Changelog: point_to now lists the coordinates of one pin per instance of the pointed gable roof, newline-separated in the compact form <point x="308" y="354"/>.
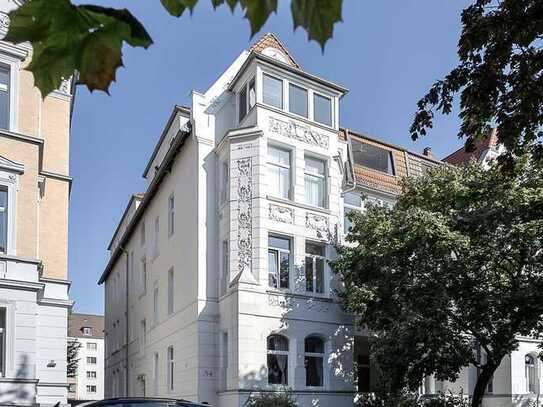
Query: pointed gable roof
<point x="462" y="157"/>
<point x="270" y="40"/>
<point x="7" y="164"/>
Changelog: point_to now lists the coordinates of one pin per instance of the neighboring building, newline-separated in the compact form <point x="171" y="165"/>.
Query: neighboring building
<point x="88" y="331"/>
<point x="218" y="284"/>
<point x="485" y="150"/>
<point x="34" y="193"/>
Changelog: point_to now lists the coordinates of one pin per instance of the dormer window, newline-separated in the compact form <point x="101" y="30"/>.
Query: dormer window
<point x="272" y="91"/>
<point x="247" y="98"/>
<point x="87" y="331"/>
<point x="373" y="157"/>
<point x="297" y="97"/>
<point x="322" y="109"/>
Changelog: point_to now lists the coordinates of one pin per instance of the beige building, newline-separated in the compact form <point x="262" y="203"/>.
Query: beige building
<point x="34" y="193"/>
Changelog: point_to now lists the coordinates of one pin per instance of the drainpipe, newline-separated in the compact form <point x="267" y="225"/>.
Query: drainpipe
<point x="127" y="336"/>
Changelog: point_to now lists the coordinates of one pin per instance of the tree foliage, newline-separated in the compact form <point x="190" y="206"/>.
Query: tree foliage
<point x="277" y="399"/>
<point x="457" y="263"/>
<point x="88" y="38"/>
<point x="72" y="357"/>
<point x="499" y="77"/>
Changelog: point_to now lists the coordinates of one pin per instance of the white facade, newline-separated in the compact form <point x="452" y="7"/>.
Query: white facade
<point x="199" y="303"/>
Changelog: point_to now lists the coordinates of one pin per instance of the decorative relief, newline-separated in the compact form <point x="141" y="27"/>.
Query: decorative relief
<point x="245" y="222"/>
<point x="281" y="214"/>
<point x="312" y="305"/>
<point x="282" y="302"/>
<point x="65" y="86"/>
<point x="4" y="21"/>
<point x="316" y="222"/>
<point x="299" y="132"/>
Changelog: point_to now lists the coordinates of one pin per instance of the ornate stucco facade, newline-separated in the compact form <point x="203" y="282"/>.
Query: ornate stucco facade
<point x="34" y="189"/>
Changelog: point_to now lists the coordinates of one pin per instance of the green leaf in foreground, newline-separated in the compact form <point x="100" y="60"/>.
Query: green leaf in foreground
<point x="317" y="17"/>
<point x="67" y="38"/>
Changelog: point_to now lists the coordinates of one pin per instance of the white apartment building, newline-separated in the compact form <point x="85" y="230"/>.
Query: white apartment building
<point x="88" y="382"/>
<point x="217" y="284"/>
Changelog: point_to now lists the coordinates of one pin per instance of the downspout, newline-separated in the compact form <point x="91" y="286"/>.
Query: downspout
<point x="127" y="337"/>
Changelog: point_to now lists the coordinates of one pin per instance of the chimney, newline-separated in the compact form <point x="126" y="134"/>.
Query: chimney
<point x="427" y="152"/>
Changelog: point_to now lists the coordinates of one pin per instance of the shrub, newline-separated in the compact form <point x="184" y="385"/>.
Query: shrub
<point x="279" y="399"/>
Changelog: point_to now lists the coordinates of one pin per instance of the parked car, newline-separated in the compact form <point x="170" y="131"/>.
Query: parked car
<point x="142" y="402"/>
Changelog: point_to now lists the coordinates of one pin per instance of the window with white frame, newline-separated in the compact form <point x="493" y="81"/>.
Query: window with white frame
<point x="246" y="98"/>
<point x="156" y="237"/>
<point x="3" y="219"/>
<point x="315" y="260"/>
<point x="272" y="91"/>
<point x="242" y="103"/>
<point x="297" y="100"/>
<point x="315" y="181"/>
<point x="5" y="96"/>
<point x="91" y="360"/>
<point x="87" y="331"/>
<point x="277" y="360"/>
<point x="3" y="342"/>
<point x="170" y="367"/>
<point x="224" y="359"/>
<point x="91" y="389"/>
<point x="155" y="305"/>
<point x="92" y="346"/>
<point x="171" y="215"/>
<point x="143" y="335"/>
<point x="142" y="233"/>
<point x="279" y="175"/>
<point x="351" y="202"/>
<point x="530" y="373"/>
<point x="373" y="157"/>
<point x="225" y="267"/>
<point x="252" y="94"/>
<point x="279" y="261"/>
<point x="171" y="291"/>
<point x="155" y="373"/>
<point x="143" y="281"/>
<point x="314" y="360"/>
<point x="322" y="109"/>
<point x="91" y="374"/>
<point x="225" y="185"/>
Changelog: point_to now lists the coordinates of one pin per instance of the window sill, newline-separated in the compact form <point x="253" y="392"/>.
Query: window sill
<point x="290" y="293"/>
<point x="298" y="204"/>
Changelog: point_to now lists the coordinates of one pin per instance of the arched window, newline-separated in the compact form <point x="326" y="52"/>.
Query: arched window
<point x="530" y="373"/>
<point x="314" y="360"/>
<point x="277" y="360"/>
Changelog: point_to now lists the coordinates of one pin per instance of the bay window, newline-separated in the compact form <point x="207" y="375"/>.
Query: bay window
<point x="278" y="261"/>
<point x="297" y="100"/>
<point x="272" y="91"/>
<point x="314" y="361"/>
<point x="322" y="109"/>
<point x="279" y="172"/>
<point x="314" y="267"/>
<point x="277" y="361"/>
<point x="315" y="182"/>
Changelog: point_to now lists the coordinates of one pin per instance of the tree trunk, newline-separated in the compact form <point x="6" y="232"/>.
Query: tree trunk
<point x="482" y="382"/>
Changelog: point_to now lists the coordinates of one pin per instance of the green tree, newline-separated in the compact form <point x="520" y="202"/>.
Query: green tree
<point x="89" y="38"/>
<point x="457" y="264"/>
<point x="499" y="78"/>
<point x="72" y="360"/>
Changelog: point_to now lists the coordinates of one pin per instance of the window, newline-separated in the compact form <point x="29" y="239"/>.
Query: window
<point x="155" y="373"/>
<point x="3" y="219"/>
<point x="92" y="346"/>
<point x="322" y="109"/>
<point x="314" y="359"/>
<point x="91" y="374"/>
<point x="171" y="215"/>
<point x="91" y="360"/>
<point x="142" y="233"/>
<point x="315" y="182"/>
<point x="224" y="187"/>
<point x="352" y="202"/>
<point x="272" y="91"/>
<point x="252" y="94"/>
<point x="155" y="305"/>
<point x="170" y="291"/>
<point x="242" y="103"/>
<point x="157" y="233"/>
<point x="91" y="389"/>
<point x="3" y="352"/>
<point x="297" y="97"/>
<point x="4" y="97"/>
<point x="143" y="335"/>
<point x="225" y="267"/>
<point x="278" y="261"/>
<point x="170" y="367"/>
<point x="143" y="282"/>
<point x="71" y="387"/>
<point x="373" y="157"/>
<point x="279" y="172"/>
<point x="224" y="359"/>
<point x="530" y="374"/>
<point x="314" y="267"/>
<point x="87" y="331"/>
<point x="364" y="374"/>
<point x="277" y="360"/>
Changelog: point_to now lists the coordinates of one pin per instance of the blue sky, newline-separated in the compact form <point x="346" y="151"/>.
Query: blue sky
<point x="387" y="52"/>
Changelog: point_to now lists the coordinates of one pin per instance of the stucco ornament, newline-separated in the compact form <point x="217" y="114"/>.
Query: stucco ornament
<point x="299" y="132"/>
<point x="245" y="222"/>
<point x="281" y="214"/>
<point x="316" y="222"/>
<point x="4" y="21"/>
